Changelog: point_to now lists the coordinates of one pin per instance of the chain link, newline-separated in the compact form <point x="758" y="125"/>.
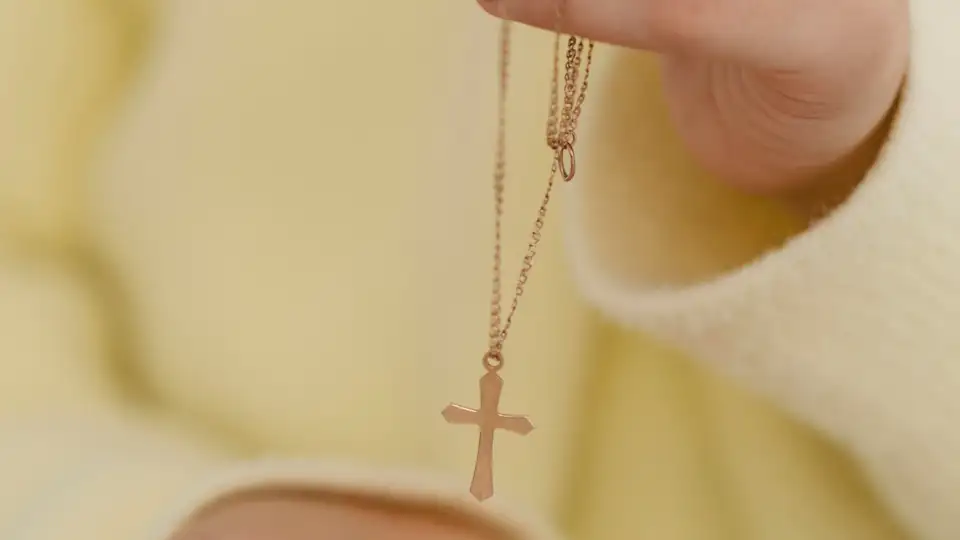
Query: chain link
<point x="562" y="120"/>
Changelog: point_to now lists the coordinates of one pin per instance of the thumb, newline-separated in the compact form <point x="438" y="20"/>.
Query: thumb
<point x="775" y="33"/>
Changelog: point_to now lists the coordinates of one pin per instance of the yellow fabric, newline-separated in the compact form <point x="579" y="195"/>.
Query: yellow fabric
<point x="262" y="229"/>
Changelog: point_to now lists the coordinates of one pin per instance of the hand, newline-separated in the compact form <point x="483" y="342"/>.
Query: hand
<point x="292" y="515"/>
<point x="768" y="94"/>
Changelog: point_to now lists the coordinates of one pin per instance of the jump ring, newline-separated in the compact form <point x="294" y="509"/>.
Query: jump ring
<point x="493" y="361"/>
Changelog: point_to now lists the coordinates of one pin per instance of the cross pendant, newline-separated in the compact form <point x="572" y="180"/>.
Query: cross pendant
<point x="488" y="419"/>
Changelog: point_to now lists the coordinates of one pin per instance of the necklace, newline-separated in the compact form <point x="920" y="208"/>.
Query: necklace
<point x="561" y="138"/>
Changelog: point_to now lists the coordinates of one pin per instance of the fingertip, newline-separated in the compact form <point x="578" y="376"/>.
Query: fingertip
<point x="523" y="11"/>
<point x="493" y="7"/>
<point x="602" y="20"/>
<point x="536" y="13"/>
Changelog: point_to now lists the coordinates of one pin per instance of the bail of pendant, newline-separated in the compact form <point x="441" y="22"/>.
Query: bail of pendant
<point x="493" y="361"/>
<point x="567" y="161"/>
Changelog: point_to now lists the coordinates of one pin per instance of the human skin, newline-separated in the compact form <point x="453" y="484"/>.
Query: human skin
<point x="773" y="96"/>
<point x="286" y="514"/>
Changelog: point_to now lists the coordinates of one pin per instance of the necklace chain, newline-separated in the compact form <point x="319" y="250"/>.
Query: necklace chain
<point x="560" y="137"/>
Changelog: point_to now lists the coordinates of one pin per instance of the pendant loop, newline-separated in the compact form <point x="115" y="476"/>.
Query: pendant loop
<point x="493" y="361"/>
<point x="565" y="155"/>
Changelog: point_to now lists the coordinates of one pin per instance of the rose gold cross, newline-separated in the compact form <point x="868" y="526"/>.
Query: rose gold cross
<point x="488" y="419"/>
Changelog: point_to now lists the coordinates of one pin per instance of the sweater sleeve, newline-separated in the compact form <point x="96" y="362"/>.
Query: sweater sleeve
<point x="114" y="475"/>
<point x="850" y="324"/>
<point x="73" y="456"/>
<point x="80" y="460"/>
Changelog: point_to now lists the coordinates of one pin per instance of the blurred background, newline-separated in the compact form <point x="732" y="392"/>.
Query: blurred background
<point x="267" y="223"/>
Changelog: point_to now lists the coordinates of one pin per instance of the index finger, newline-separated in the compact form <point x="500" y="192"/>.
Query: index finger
<point x="774" y="33"/>
<point x="613" y="21"/>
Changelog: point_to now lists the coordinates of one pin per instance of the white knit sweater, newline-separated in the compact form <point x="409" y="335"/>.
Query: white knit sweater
<point x="851" y="325"/>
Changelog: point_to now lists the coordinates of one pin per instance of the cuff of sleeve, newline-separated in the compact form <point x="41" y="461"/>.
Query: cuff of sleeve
<point x="414" y="488"/>
<point x="850" y="325"/>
